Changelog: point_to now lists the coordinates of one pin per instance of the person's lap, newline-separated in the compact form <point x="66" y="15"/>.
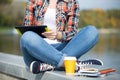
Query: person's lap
<point x="79" y="45"/>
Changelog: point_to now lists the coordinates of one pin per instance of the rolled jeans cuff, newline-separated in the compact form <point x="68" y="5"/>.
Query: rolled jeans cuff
<point x="60" y="64"/>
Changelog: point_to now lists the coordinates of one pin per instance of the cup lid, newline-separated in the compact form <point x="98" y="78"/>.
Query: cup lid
<point x="69" y="58"/>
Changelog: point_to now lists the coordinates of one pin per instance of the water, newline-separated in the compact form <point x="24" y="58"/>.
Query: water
<point x="103" y="4"/>
<point x="9" y="43"/>
<point x="107" y="49"/>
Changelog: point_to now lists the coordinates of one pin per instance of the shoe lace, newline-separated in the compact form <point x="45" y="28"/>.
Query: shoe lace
<point x="46" y="67"/>
<point x="82" y="65"/>
<point x="86" y="63"/>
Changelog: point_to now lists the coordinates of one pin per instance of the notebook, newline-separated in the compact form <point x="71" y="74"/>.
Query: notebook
<point x="36" y="29"/>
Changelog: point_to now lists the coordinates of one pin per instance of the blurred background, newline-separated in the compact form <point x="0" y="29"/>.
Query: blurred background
<point x="104" y="14"/>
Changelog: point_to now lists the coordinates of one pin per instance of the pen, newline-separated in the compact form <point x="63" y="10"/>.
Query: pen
<point x="95" y="74"/>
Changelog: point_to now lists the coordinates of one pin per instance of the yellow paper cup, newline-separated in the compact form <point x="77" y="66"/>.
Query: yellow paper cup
<point x="70" y="65"/>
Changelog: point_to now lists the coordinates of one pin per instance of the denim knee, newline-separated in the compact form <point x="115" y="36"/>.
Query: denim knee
<point x="92" y="32"/>
<point x="28" y="37"/>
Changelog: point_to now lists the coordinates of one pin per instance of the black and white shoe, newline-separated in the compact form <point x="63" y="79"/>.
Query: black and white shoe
<point x="91" y="61"/>
<point x="36" y="67"/>
<point x="82" y="65"/>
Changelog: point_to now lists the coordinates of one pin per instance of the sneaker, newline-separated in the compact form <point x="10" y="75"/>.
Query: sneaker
<point x="36" y="67"/>
<point x="91" y="62"/>
<point x="80" y="65"/>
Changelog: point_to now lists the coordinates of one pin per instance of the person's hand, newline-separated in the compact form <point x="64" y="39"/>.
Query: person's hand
<point x="50" y="34"/>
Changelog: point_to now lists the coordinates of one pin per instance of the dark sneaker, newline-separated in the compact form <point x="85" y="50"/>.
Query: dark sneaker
<point x="36" y="67"/>
<point x="80" y="65"/>
<point x="91" y="61"/>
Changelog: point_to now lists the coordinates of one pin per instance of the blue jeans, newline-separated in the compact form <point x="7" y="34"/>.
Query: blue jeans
<point x="35" y="48"/>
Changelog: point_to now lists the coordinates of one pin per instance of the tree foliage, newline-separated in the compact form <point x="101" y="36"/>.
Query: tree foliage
<point x="100" y="18"/>
<point x="5" y="1"/>
<point x="13" y="14"/>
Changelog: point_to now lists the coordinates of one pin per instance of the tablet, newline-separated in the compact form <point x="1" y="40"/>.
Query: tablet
<point x="36" y="29"/>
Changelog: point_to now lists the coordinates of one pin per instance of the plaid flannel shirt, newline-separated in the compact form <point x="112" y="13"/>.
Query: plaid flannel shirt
<point x="67" y="16"/>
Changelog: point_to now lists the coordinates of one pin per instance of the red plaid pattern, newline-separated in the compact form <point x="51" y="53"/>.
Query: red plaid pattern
<point x="67" y="15"/>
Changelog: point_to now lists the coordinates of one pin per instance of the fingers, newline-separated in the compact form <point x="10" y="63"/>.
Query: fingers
<point x="50" y="35"/>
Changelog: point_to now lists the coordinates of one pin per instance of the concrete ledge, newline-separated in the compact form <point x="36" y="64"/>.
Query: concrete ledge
<point x="57" y="75"/>
<point x="14" y="66"/>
